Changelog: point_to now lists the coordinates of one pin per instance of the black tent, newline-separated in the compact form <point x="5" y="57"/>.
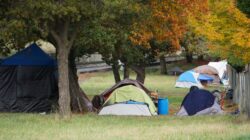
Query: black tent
<point x="27" y="81"/>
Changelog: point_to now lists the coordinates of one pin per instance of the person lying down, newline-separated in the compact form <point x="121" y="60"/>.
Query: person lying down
<point x="200" y="102"/>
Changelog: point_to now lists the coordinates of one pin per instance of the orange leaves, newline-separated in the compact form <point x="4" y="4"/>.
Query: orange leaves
<point x="141" y="38"/>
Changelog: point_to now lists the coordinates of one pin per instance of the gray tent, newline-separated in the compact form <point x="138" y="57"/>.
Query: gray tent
<point x="175" y="71"/>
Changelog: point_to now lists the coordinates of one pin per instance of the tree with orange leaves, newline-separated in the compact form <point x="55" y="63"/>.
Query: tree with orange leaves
<point x="166" y="23"/>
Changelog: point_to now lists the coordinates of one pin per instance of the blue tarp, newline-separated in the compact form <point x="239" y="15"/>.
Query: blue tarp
<point x="197" y="100"/>
<point x="30" y="56"/>
<point x="203" y="77"/>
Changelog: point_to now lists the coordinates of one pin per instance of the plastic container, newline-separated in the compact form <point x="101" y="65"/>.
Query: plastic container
<point x="163" y="106"/>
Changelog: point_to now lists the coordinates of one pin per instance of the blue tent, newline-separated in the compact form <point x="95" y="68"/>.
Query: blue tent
<point x="30" y="56"/>
<point x="188" y="79"/>
<point x="191" y="78"/>
<point x="197" y="100"/>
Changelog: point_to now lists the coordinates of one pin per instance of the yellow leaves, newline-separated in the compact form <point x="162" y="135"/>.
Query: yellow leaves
<point x="227" y="28"/>
<point x="204" y="27"/>
<point x="241" y="38"/>
<point x="237" y="14"/>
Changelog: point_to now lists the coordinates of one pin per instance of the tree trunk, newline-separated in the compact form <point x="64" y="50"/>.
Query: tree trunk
<point x="163" y="65"/>
<point x="115" y="68"/>
<point x="189" y="57"/>
<point x="126" y="71"/>
<point x="140" y="73"/>
<point x="79" y="100"/>
<point x="63" y="81"/>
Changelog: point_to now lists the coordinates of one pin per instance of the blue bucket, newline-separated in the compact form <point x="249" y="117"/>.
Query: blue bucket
<point x="163" y="106"/>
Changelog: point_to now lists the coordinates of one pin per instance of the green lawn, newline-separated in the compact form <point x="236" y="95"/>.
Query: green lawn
<point x="91" y="126"/>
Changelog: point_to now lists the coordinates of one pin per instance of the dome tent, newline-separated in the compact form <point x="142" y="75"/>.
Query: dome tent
<point x="98" y="100"/>
<point x="27" y="81"/>
<point x="188" y="79"/>
<point x="128" y="100"/>
<point x="191" y="78"/>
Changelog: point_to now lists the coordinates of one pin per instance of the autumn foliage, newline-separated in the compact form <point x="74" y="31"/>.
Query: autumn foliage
<point x="228" y="31"/>
<point x="166" y="21"/>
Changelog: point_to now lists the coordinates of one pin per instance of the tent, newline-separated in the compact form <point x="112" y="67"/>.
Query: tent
<point x="208" y="71"/>
<point x="126" y="109"/>
<point x="199" y="102"/>
<point x="188" y="79"/>
<point x="125" y="82"/>
<point x="98" y="100"/>
<point x="27" y="81"/>
<point x="119" y="102"/>
<point x="175" y="71"/>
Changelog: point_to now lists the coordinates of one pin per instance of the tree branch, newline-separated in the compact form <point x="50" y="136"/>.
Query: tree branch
<point x="55" y="36"/>
<point x="73" y="37"/>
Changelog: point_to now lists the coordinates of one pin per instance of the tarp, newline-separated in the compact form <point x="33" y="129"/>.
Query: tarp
<point x="130" y="93"/>
<point x="203" y="77"/>
<point x="197" y="100"/>
<point x="126" y="109"/>
<point x="188" y="79"/>
<point x="220" y="66"/>
<point x="30" y="56"/>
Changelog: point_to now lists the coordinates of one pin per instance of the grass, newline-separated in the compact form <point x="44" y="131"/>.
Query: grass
<point x="91" y="126"/>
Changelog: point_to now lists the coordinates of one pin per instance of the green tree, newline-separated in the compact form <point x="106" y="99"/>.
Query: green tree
<point x="58" y="21"/>
<point x="109" y="32"/>
<point x="193" y="44"/>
